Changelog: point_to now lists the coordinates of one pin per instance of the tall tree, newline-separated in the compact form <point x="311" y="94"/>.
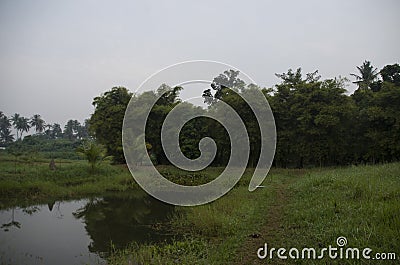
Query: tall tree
<point x="311" y="118"/>
<point x="6" y="136"/>
<point x="69" y="130"/>
<point x="38" y="123"/>
<point x="5" y="122"/>
<point x="22" y="125"/>
<point x="367" y="75"/>
<point x="106" y="121"/>
<point x="223" y="85"/>
<point x="391" y="73"/>
<point x="56" y="131"/>
<point x="15" y="119"/>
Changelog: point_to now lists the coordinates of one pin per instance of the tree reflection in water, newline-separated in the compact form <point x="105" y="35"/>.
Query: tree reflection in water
<point x="123" y="219"/>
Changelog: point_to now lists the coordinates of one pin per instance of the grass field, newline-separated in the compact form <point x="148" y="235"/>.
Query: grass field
<point x="297" y="208"/>
<point x="28" y="181"/>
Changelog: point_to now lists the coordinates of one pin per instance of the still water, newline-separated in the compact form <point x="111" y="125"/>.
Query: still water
<point x="80" y="231"/>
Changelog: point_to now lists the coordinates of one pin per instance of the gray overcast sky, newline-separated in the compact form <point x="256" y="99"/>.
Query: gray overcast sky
<point x="55" y="56"/>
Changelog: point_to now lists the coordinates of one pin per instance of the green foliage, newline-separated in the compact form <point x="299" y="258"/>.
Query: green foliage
<point x="106" y="121"/>
<point x="94" y="153"/>
<point x="38" y="123"/>
<point x="317" y="123"/>
<point x="391" y="74"/>
<point x="43" y="147"/>
<point x="312" y="119"/>
<point x="21" y="124"/>
<point x="367" y="75"/>
<point x="5" y="130"/>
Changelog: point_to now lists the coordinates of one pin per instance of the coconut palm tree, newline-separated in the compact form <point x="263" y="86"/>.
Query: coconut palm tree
<point x="38" y="123"/>
<point x="5" y="122"/>
<point x="367" y="75"/>
<point x="15" y="119"/>
<point x="6" y="137"/>
<point x="22" y="125"/>
<point x="5" y="133"/>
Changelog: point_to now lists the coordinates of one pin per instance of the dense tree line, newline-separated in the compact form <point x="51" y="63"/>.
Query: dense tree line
<point x="317" y="122"/>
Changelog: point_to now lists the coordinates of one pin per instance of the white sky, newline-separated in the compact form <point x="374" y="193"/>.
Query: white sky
<point x="56" y="56"/>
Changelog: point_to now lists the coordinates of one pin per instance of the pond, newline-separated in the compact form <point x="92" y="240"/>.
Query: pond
<point x="80" y="231"/>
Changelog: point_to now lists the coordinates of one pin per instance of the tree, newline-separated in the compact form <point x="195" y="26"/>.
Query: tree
<point x="6" y="136"/>
<point x="69" y="130"/>
<point x="168" y="99"/>
<point x="224" y="84"/>
<point x="106" y="121"/>
<point x="311" y="119"/>
<point x="38" y="123"/>
<point x="53" y="131"/>
<point x="94" y="153"/>
<point x="73" y="130"/>
<point x="22" y="125"/>
<point x="391" y="73"/>
<point x="378" y="122"/>
<point x="83" y="130"/>
<point x="56" y="130"/>
<point x="5" y="122"/>
<point x="15" y="119"/>
<point x="367" y="75"/>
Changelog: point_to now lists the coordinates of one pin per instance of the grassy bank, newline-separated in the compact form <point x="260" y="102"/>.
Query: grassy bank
<point x="360" y="203"/>
<point x="27" y="181"/>
<point x="212" y="232"/>
<point x="297" y="208"/>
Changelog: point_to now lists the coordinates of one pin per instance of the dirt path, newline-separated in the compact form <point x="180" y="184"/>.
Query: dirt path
<point x="270" y="233"/>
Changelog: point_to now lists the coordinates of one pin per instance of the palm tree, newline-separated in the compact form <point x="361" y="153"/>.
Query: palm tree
<point x="367" y="75"/>
<point x="6" y="137"/>
<point x="22" y="125"/>
<point x="94" y="153"/>
<point x="5" y="133"/>
<point x="5" y="122"/>
<point x="15" y="119"/>
<point x="38" y="123"/>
